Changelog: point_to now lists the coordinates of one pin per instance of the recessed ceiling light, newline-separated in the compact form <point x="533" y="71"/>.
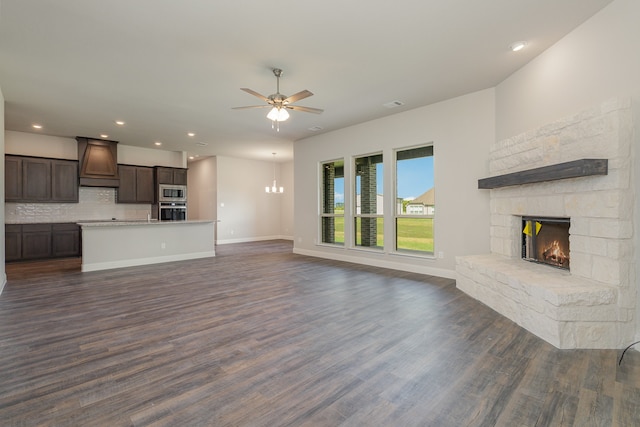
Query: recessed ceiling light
<point x="191" y="134"/>
<point x="36" y="126"/>
<point x="191" y="157"/>
<point x="517" y="46"/>
<point x="119" y="122"/>
<point x="158" y="143"/>
<point x="104" y="135"/>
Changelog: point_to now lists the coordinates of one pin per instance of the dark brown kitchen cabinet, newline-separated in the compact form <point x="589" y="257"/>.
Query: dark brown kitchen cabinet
<point x="136" y="184"/>
<point x="175" y="176"/>
<point x="12" y="242"/>
<point x="36" y="241"/>
<point x="36" y="180"/>
<point x="40" y="180"/>
<point x="64" y="181"/>
<point x="42" y="241"/>
<point x="12" y="178"/>
<point x="65" y="240"/>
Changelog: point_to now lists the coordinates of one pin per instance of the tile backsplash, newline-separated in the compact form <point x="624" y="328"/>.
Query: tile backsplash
<point x="95" y="203"/>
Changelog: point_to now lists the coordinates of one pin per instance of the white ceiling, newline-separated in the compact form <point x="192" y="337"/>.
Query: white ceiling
<point x="168" y="67"/>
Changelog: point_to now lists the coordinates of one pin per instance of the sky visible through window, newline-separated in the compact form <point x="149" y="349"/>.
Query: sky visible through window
<point x="414" y="178"/>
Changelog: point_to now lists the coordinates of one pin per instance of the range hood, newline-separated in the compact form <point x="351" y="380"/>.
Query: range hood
<point x="98" y="161"/>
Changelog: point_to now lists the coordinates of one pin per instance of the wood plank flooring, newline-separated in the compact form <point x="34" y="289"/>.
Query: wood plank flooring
<point x="259" y="336"/>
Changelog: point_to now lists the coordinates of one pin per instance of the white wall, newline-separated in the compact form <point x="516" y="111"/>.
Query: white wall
<point x="202" y="189"/>
<point x="38" y="145"/>
<point x="3" y="276"/>
<point x="596" y="62"/>
<point x="245" y="211"/>
<point x="461" y="131"/>
<point x="286" y="213"/>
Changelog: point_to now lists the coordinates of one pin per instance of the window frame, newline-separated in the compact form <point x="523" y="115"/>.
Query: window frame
<point x="395" y="215"/>
<point x="322" y="215"/>
<point x="354" y="212"/>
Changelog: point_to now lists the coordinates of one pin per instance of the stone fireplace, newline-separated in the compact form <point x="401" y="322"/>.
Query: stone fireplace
<point x="591" y="302"/>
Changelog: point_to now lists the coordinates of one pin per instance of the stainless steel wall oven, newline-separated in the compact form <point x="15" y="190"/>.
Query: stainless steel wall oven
<point x="172" y="202"/>
<point x="172" y="211"/>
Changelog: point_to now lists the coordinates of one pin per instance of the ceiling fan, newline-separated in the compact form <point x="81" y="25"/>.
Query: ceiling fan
<point x="280" y="103"/>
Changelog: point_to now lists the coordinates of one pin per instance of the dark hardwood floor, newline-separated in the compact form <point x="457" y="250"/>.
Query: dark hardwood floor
<point x="259" y="336"/>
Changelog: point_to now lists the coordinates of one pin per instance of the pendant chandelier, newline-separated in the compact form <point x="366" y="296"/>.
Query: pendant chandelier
<point x="274" y="188"/>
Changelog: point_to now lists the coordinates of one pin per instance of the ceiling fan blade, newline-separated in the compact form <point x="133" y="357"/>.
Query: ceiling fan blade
<point x="298" y="96"/>
<point x="305" y="109"/>
<point x="254" y="93"/>
<point x="252" y="106"/>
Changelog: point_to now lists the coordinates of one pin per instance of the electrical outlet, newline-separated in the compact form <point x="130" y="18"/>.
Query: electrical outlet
<point x="440" y="254"/>
<point x="163" y="245"/>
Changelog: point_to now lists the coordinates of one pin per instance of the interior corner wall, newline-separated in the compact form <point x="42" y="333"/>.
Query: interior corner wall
<point x="3" y="275"/>
<point x="202" y="189"/>
<point x="461" y="130"/>
<point x="286" y="203"/>
<point x="594" y="63"/>
<point x="245" y="211"/>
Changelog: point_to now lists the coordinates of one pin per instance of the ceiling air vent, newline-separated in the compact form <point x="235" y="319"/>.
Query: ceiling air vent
<point x="393" y="104"/>
<point x="315" y="128"/>
<point x="202" y="144"/>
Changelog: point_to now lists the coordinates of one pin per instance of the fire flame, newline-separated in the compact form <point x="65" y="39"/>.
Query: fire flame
<point x="554" y="254"/>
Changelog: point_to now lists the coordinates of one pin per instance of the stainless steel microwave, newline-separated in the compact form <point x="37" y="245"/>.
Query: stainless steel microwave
<point x="172" y="193"/>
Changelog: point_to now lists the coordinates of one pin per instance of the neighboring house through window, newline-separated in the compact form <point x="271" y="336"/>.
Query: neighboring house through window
<point x="415" y="188"/>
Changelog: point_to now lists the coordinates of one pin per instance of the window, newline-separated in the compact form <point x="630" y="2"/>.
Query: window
<point x="368" y="220"/>
<point x="415" y="200"/>
<point x="332" y="216"/>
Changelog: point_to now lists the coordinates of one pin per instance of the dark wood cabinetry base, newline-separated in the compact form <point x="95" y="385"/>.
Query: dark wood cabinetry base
<point x="41" y="241"/>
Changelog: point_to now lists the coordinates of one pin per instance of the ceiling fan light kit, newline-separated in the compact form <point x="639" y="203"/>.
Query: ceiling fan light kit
<point x="278" y="114"/>
<point x="280" y="103"/>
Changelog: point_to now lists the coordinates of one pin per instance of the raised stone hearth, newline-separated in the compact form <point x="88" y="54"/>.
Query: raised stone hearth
<point x="593" y="304"/>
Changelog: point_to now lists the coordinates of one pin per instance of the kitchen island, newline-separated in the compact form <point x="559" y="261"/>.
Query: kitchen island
<point x="115" y="244"/>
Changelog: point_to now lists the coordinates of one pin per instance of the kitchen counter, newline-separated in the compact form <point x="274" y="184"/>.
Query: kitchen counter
<point x="127" y="243"/>
<point x="125" y="222"/>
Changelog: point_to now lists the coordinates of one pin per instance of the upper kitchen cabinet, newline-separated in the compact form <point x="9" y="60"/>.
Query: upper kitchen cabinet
<point x="36" y="180"/>
<point x="136" y="184"/>
<point x="64" y="181"/>
<point x="175" y="176"/>
<point x="12" y="178"/>
<point x="40" y="180"/>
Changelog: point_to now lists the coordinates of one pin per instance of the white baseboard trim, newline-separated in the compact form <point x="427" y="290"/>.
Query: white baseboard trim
<point x="393" y="265"/>
<point x="253" y="239"/>
<point x="4" y="282"/>
<point x="144" y="261"/>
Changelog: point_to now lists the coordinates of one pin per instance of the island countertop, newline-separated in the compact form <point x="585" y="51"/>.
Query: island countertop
<point x="124" y="222"/>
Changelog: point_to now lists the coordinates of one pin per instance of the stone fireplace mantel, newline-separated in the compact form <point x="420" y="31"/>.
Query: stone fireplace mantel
<point x="593" y="304"/>
<point x="566" y="170"/>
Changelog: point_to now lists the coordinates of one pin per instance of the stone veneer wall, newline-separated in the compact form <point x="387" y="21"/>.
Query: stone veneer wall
<point x="600" y="292"/>
<point x="94" y="204"/>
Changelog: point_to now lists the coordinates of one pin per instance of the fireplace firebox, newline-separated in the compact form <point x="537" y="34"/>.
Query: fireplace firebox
<point x="546" y="241"/>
